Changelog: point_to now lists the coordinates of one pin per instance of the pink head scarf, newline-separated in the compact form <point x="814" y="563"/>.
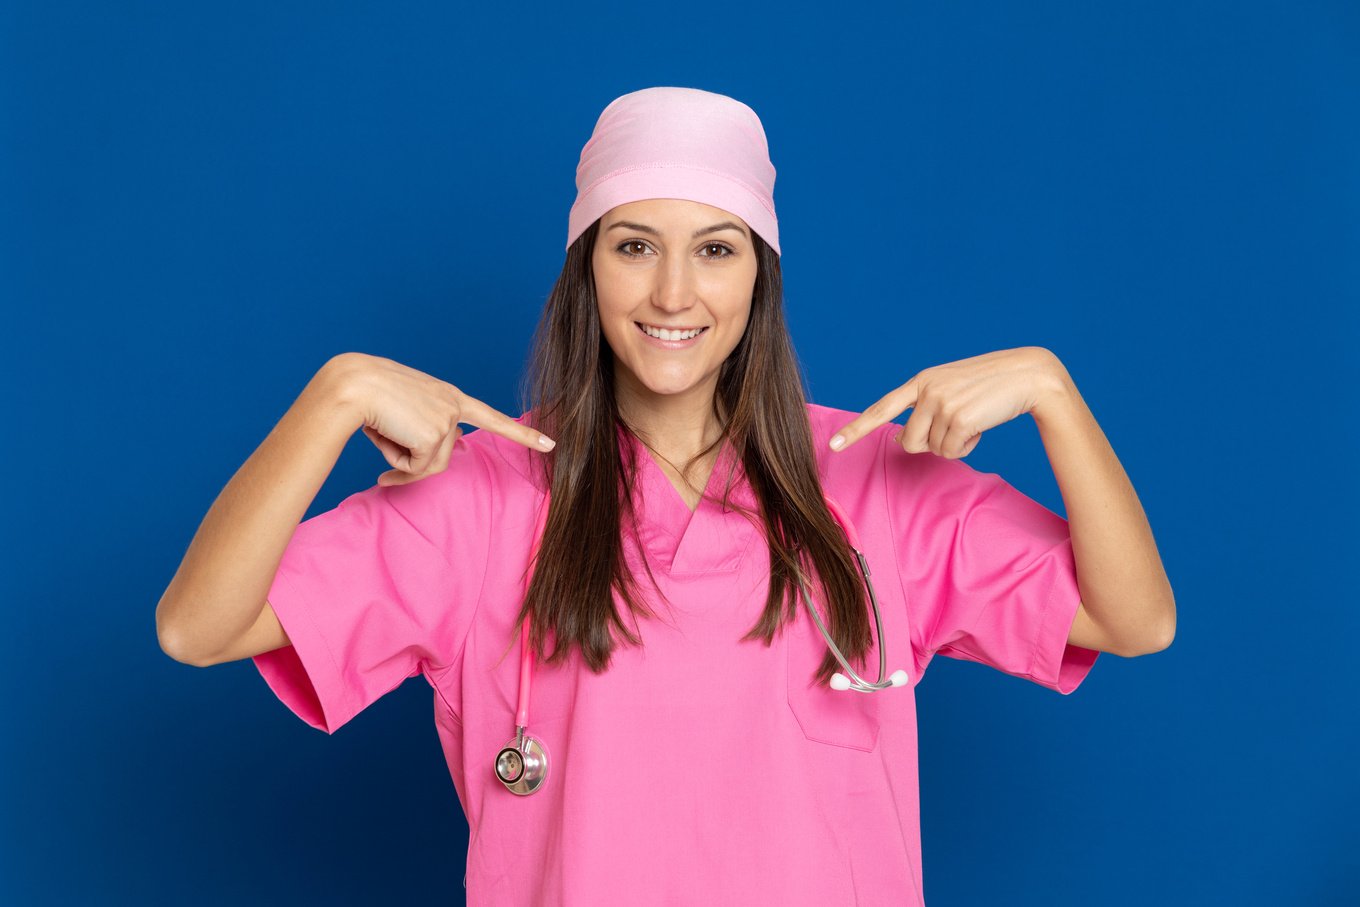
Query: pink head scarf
<point x="677" y="143"/>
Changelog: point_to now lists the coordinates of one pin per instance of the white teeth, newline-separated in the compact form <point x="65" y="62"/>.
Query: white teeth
<point x="666" y="334"/>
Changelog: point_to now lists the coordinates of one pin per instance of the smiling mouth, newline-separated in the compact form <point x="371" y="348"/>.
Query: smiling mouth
<point x="670" y="335"/>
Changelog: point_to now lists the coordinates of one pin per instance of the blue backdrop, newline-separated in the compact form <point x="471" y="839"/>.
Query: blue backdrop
<point x="201" y="205"/>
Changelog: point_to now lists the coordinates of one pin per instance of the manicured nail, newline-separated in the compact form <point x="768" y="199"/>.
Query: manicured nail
<point x="838" y="442"/>
<point x="546" y="443"/>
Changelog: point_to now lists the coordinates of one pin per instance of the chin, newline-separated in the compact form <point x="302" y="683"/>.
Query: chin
<point x="661" y="382"/>
<point x="666" y="387"/>
<point x="670" y="390"/>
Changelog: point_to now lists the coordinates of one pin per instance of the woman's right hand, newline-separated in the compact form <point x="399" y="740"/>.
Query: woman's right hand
<point x="412" y="417"/>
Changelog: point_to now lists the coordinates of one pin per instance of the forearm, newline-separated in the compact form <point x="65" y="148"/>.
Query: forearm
<point x="1124" y="587"/>
<point x="222" y="582"/>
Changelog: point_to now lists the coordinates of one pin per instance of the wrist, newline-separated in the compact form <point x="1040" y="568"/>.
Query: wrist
<point x="1057" y="392"/>
<point x="335" y="390"/>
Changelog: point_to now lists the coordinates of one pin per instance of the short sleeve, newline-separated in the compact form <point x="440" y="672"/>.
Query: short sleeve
<point x="988" y="572"/>
<point x="378" y="589"/>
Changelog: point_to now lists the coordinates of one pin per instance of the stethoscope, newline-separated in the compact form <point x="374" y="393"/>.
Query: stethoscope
<point x="522" y="764"/>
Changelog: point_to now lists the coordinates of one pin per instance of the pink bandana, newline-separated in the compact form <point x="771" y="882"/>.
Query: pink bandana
<point x="677" y="143"/>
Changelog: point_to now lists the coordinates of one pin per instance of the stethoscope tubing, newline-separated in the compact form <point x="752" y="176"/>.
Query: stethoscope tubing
<point x="533" y="764"/>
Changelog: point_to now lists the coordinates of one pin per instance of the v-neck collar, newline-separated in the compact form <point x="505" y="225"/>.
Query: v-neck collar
<point x="684" y="542"/>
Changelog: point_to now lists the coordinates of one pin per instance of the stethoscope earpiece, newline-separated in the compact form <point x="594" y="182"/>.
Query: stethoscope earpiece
<point x="839" y="681"/>
<point x="522" y="764"/>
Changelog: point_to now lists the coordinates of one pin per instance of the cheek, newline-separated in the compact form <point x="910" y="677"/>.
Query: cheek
<point x="614" y="322"/>
<point x="606" y="302"/>
<point x="740" y="314"/>
<point x="614" y="296"/>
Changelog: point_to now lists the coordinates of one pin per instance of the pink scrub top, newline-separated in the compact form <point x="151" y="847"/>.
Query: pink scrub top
<point x="698" y="769"/>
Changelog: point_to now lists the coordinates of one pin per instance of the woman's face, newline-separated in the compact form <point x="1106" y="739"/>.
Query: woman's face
<point x="678" y="265"/>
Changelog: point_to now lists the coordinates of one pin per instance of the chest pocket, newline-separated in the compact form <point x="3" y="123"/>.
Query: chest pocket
<point x="836" y="717"/>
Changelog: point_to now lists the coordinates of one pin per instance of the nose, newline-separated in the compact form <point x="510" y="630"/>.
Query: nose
<point x="675" y="283"/>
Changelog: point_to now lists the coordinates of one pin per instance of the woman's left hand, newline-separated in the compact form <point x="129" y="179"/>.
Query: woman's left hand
<point x="956" y="402"/>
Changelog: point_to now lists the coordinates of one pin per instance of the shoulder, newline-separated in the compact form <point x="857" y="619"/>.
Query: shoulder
<point x="860" y="459"/>
<point x="875" y="457"/>
<point x="513" y="468"/>
<point x="486" y="475"/>
<point x="824" y="421"/>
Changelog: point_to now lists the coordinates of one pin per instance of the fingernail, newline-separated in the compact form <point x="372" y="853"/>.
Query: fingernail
<point x="838" y="442"/>
<point x="546" y="443"/>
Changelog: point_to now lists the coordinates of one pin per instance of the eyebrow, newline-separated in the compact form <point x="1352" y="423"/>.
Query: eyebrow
<point x="643" y="228"/>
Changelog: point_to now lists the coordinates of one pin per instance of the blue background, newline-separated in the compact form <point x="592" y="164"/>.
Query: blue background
<point x="201" y="205"/>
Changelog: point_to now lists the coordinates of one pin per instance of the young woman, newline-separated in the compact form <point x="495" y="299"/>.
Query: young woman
<point x="672" y="626"/>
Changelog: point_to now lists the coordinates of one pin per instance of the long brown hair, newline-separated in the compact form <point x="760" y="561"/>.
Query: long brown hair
<point x="568" y="393"/>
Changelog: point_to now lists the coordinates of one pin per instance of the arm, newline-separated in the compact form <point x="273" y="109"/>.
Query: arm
<point x="214" y="608"/>
<point x="1127" y="604"/>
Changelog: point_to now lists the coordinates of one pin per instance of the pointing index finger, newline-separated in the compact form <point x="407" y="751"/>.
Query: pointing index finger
<point x="475" y="412"/>
<point x="881" y="412"/>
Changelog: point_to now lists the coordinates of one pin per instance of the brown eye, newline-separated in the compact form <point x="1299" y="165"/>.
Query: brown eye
<point x="718" y="245"/>
<point x="632" y="242"/>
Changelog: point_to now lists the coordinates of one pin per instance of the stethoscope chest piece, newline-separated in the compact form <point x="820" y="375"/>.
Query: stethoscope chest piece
<point x="522" y="764"/>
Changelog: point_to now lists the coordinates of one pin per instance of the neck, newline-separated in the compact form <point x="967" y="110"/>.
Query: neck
<point x="677" y="426"/>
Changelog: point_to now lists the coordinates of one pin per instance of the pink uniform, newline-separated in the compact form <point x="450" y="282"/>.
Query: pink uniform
<point x="698" y="769"/>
